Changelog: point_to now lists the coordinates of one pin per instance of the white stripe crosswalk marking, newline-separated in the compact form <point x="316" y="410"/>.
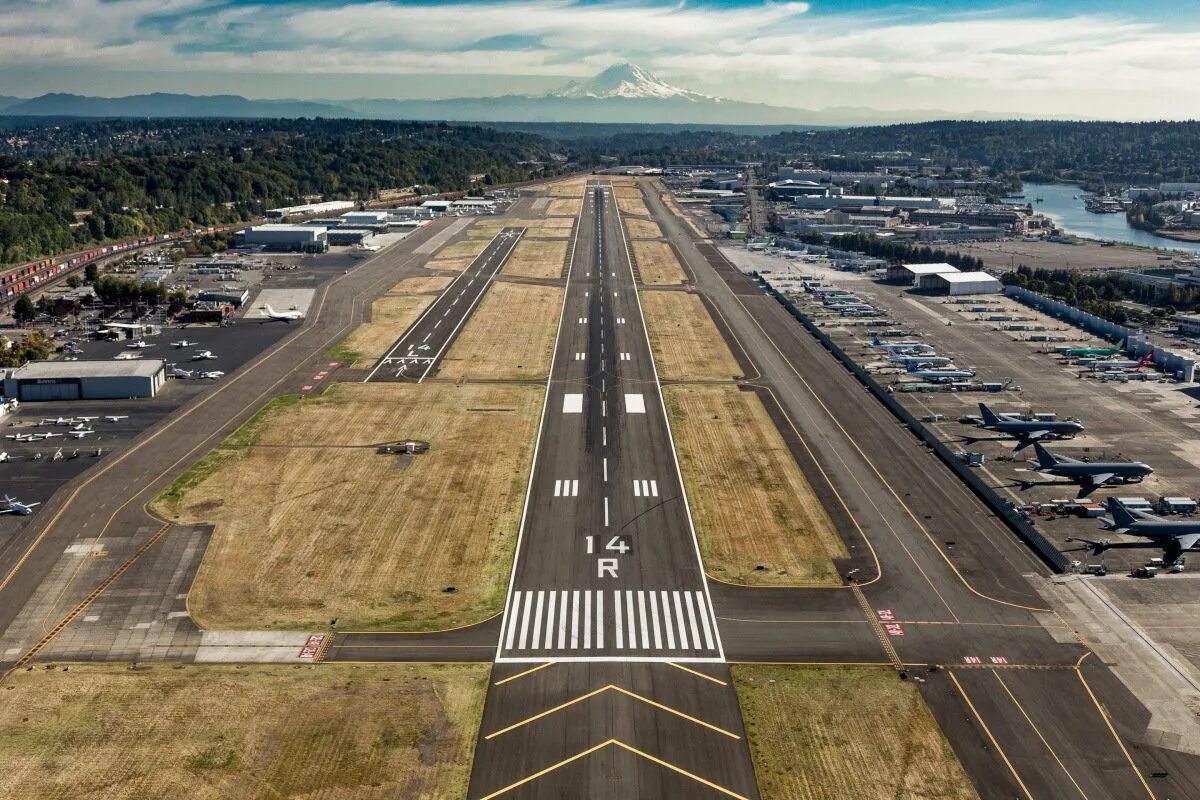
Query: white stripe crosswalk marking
<point x="617" y="619"/>
<point x="645" y="624"/>
<point x="575" y="620"/>
<point x="708" y="637"/>
<point x="654" y="488"/>
<point x="562" y="620"/>
<point x="654" y="620"/>
<point x="566" y="488"/>
<point x="550" y="618"/>
<point x="637" y="488"/>
<point x="666" y="607"/>
<point x="587" y="620"/>
<point x="680" y="627"/>
<point x="687" y="598"/>
<point x="513" y="620"/>
<point x="630" y="617"/>
<point x="575" y="489"/>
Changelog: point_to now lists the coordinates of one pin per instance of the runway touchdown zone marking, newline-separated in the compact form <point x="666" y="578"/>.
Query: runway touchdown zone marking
<point x="573" y="403"/>
<point x="645" y="488"/>
<point x="566" y="488"/>
<point x="635" y="404"/>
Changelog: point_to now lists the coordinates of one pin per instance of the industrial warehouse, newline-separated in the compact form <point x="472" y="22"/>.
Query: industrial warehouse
<point x="85" y="380"/>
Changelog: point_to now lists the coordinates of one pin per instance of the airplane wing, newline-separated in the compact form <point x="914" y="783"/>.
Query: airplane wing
<point x="1100" y="479"/>
<point x="1037" y="434"/>
<point x="1188" y="541"/>
<point x="6" y="511"/>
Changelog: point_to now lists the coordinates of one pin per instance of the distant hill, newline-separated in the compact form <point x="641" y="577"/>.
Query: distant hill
<point x="6" y="101"/>
<point x="168" y="105"/>
<point x="621" y="94"/>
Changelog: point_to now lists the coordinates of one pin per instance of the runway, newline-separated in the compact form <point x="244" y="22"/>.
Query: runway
<point x="610" y="679"/>
<point x="417" y="353"/>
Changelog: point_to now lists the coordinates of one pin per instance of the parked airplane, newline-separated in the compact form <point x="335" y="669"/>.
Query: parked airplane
<point x="1087" y="352"/>
<point x="36" y="436"/>
<point x="210" y="376"/>
<point x="281" y="316"/>
<point x="58" y="421"/>
<point x="1121" y="363"/>
<point x="1090" y="475"/>
<point x="4" y="457"/>
<point x="127" y="356"/>
<point x="183" y="343"/>
<point x="1175" y="537"/>
<point x="139" y="344"/>
<point x="176" y="372"/>
<point x="941" y="375"/>
<point x="919" y="360"/>
<point x="203" y="355"/>
<point x="12" y="506"/>
<point x="79" y="434"/>
<point x="116" y="418"/>
<point x="911" y="348"/>
<point x="1027" y="431"/>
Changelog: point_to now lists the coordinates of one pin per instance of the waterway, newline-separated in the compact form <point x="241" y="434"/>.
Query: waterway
<point x="1063" y="203"/>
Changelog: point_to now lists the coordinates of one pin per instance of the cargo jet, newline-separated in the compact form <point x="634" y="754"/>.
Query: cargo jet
<point x="1027" y="431"/>
<point x="1174" y="537"/>
<point x="1089" y="475"/>
<point x="281" y="316"/>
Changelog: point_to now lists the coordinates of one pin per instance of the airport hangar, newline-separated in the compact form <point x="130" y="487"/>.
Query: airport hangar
<point x="86" y="380"/>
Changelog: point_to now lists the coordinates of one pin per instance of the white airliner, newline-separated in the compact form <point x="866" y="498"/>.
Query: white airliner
<point x="282" y="316"/>
<point x="12" y="506"/>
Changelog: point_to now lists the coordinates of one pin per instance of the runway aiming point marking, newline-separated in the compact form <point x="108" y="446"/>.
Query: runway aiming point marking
<point x="572" y="403"/>
<point x="635" y="404"/>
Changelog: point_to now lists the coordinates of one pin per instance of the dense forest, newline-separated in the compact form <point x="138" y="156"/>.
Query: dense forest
<point x="206" y="172"/>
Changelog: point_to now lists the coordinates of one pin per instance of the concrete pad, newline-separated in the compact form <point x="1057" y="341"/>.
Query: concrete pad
<point x="280" y="300"/>
<point x="446" y="234"/>
<point x="257" y="647"/>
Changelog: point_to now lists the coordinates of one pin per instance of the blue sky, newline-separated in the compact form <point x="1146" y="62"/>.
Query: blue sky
<point x="1094" y="58"/>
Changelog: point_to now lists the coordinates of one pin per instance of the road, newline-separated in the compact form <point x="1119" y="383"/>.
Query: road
<point x="610" y="680"/>
<point x="418" y="352"/>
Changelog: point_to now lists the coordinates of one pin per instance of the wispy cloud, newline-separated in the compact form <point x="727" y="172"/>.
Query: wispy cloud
<point x="775" y="52"/>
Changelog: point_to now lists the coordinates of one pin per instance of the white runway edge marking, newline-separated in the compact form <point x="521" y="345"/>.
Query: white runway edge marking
<point x="647" y="621"/>
<point x="509" y="608"/>
<point x="645" y="488"/>
<point x="635" y="404"/>
<point x="572" y="403"/>
<point x="566" y="488"/>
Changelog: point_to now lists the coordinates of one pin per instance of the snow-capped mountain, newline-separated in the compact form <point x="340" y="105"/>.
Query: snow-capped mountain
<point x="625" y="80"/>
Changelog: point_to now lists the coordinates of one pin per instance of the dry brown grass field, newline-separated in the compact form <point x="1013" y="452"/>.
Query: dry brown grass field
<point x="565" y="206"/>
<point x="311" y="523"/>
<point x="822" y="733"/>
<point x="390" y="317"/>
<point x="627" y="191"/>
<point x="572" y="187"/>
<point x="457" y="264"/>
<point x="491" y="347"/>
<point x="642" y="228"/>
<point x="632" y="205"/>
<point x="537" y="258"/>
<point x="685" y="342"/>
<point x="469" y="247"/>
<point x="336" y="732"/>
<point x="751" y="503"/>
<point x="547" y="228"/>
<point x="429" y="284"/>
<point x="657" y="263"/>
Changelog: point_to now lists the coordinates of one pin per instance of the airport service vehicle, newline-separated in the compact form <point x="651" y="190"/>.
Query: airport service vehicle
<point x="1027" y="431"/>
<point x="1089" y="475"/>
<point x="281" y="316"/>
<point x="919" y="360"/>
<point x="941" y="375"/>
<point x="907" y="348"/>
<point x="1175" y="537"/>
<point x="13" y="506"/>
<point x="203" y="355"/>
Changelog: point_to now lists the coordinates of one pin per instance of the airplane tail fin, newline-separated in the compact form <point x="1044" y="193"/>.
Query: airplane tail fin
<point x="1146" y="359"/>
<point x="1121" y="516"/>
<point x="1044" y="458"/>
<point x="267" y="307"/>
<point x="874" y="340"/>
<point x="988" y="415"/>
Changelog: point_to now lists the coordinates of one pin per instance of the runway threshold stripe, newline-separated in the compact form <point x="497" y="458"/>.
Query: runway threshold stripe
<point x="687" y="598"/>
<point x="666" y="606"/>
<point x="537" y="622"/>
<point x="512" y="621"/>
<point x="617" y="618"/>
<point x="704" y="614"/>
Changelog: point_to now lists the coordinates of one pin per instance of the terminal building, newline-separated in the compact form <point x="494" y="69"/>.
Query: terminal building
<point x="85" y="380"/>
<point x="287" y="238"/>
